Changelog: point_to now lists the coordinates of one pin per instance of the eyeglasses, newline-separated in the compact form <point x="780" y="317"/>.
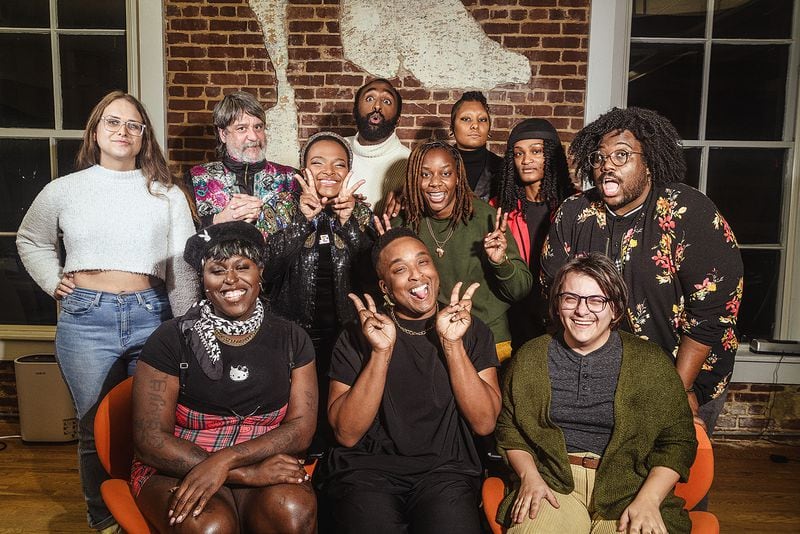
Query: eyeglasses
<point x="113" y="124"/>
<point x="594" y="303"/>
<point x="618" y="158"/>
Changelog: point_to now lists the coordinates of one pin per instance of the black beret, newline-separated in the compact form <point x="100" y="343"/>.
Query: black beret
<point x="198" y="245"/>
<point x="533" y="129"/>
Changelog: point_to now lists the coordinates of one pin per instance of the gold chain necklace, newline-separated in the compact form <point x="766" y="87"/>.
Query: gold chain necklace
<point x="408" y="331"/>
<point x="439" y="246"/>
<point x="235" y="341"/>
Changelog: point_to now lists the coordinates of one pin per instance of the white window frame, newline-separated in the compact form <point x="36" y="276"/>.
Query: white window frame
<point x="607" y="82"/>
<point x="146" y="81"/>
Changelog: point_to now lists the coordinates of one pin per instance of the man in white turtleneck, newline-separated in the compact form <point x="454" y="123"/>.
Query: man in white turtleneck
<point x="378" y="155"/>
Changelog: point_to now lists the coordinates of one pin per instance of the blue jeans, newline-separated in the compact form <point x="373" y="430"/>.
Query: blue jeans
<point x="98" y="340"/>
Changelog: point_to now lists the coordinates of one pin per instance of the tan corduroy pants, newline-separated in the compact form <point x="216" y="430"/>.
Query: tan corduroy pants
<point x="573" y="516"/>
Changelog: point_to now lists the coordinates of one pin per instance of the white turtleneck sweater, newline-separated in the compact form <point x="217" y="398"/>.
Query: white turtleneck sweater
<point x="383" y="166"/>
<point x="110" y="221"/>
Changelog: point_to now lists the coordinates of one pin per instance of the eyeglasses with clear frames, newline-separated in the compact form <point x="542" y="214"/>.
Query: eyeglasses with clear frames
<point x="113" y="124"/>
<point x="618" y="158"/>
<point x="594" y="303"/>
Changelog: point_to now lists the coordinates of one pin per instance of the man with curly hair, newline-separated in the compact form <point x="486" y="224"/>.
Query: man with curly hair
<point x="676" y="252"/>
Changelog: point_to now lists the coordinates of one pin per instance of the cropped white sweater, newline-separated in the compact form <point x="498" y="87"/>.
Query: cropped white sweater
<point x="110" y="221"/>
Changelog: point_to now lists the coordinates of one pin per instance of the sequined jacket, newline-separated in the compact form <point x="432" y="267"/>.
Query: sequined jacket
<point x="292" y="257"/>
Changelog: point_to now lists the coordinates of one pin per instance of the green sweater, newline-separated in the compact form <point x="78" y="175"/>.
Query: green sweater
<point x="652" y="426"/>
<point x="465" y="260"/>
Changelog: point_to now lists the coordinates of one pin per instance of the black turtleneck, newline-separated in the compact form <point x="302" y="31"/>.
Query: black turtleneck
<point x="244" y="172"/>
<point x="481" y="165"/>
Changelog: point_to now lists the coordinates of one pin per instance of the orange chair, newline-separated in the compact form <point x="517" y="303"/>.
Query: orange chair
<point x="113" y="437"/>
<point x="701" y="474"/>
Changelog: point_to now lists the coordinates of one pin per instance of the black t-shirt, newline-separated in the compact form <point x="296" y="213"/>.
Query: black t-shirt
<point x="256" y="377"/>
<point x="418" y="427"/>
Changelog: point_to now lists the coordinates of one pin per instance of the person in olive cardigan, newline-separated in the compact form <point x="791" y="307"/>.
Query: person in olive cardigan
<point x="651" y="423"/>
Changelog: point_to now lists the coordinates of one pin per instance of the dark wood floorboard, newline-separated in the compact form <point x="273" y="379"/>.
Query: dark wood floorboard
<point x="40" y="492"/>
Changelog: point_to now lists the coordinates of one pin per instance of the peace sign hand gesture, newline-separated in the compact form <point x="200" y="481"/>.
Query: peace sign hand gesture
<point x="376" y="327"/>
<point x="452" y="322"/>
<point x="310" y="203"/>
<point x="345" y="201"/>
<point x="495" y="241"/>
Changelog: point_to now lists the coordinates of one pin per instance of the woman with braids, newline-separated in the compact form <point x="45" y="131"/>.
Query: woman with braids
<point x="225" y="403"/>
<point x="534" y="182"/>
<point x="468" y="239"/>
<point x="470" y="125"/>
<point x="123" y="223"/>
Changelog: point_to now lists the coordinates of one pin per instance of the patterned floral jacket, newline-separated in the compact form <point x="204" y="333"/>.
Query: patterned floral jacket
<point x="215" y="183"/>
<point x="682" y="266"/>
<point x="292" y="257"/>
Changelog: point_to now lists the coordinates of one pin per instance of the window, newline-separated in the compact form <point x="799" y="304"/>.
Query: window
<point x="725" y="73"/>
<point x="60" y="57"/>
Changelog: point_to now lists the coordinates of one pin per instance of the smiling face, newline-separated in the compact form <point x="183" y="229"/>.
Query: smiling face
<point x="245" y="139"/>
<point x="376" y="112"/>
<point x="622" y="188"/>
<point x="471" y="126"/>
<point x="231" y="286"/>
<point x="327" y="161"/>
<point x="584" y="331"/>
<point x="438" y="182"/>
<point x="118" y="150"/>
<point x="408" y="275"/>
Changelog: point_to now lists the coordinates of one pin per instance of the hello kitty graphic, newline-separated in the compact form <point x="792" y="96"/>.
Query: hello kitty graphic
<point x="239" y="373"/>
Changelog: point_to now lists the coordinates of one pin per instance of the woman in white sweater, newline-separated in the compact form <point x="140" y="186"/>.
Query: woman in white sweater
<point x="124" y="226"/>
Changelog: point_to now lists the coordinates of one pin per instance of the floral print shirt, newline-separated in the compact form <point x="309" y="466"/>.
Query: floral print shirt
<point x="680" y="261"/>
<point x="215" y="183"/>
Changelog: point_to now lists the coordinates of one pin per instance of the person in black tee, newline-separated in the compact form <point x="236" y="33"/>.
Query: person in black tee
<point x="408" y="390"/>
<point x="225" y="403"/>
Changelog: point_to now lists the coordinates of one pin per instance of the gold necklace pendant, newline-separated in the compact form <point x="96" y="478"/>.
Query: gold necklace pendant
<point x="439" y="244"/>
<point x="236" y="341"/>
<point x="439" y="251"/>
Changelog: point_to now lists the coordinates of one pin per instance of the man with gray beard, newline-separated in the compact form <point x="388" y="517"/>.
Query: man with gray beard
<point x="242" y="181"/>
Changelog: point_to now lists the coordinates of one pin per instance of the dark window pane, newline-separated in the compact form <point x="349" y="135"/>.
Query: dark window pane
<point x="24" y="172"/>
<point x="26" y="81"/>
<point x="761" y="277"/>
<point x="667" y="18"/>
<point x="746" y="184"/>
<point x="747" y="92"/>
<point x="66" y="150"/>
<point x="107" y="14"/>
<point x="668" y="79"/>
<point x="23" y="301"/>
<point x="692" y="157"/>
<point x="753" y="19"/>
<point x="27" y="14"/>
<point x="91" y="67"/>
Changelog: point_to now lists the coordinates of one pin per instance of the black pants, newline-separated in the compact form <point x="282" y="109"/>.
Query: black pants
<point x="432" y="503"/>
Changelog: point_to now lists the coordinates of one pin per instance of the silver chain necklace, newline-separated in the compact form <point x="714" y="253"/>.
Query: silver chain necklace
<point x="439" y="246"/>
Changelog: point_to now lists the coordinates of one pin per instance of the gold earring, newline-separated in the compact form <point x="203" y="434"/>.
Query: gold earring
<point x="387" y="300"/>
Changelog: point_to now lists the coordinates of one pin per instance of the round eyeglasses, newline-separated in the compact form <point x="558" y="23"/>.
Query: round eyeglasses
<point x="113" y="124"/>
<point x="618" y="158"/>
<point x="594" y="303"/>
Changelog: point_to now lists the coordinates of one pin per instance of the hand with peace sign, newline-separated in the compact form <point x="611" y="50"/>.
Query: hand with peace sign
<point x="310" y="202"/>
<point x="452" y="322"/>
<point x="345" y="201"/>
<point x="376" y="327"/>
<point x="382" y="227"/>
<point x="495" y="241"/>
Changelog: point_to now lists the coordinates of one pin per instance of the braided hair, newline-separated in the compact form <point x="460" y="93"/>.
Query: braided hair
<point x="556" y="185"/>
<point x="660" y="141"/>
<point x="417" y="207"/>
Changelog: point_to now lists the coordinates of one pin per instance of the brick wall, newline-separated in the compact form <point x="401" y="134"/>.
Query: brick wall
<point x="216" y="46"/>
<point x="760" y="409"/>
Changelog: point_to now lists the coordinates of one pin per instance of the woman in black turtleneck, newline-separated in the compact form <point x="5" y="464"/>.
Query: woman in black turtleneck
<point x="470" y="123"/>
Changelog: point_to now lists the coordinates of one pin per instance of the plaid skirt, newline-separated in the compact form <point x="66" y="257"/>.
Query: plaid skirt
<point x="211" y="433"/>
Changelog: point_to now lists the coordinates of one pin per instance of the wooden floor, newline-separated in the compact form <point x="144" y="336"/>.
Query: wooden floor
<point x="40" y="493"/>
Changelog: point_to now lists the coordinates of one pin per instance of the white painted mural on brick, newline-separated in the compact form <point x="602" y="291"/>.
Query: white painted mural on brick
<point x="283" y="145"/>
<point x="439" y="43"/>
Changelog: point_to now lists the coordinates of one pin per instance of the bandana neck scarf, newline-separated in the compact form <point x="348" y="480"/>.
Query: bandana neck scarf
<point x="209" y="323"/>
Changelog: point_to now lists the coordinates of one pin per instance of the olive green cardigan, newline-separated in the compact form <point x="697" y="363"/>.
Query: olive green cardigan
<point x="652" y="426"/>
